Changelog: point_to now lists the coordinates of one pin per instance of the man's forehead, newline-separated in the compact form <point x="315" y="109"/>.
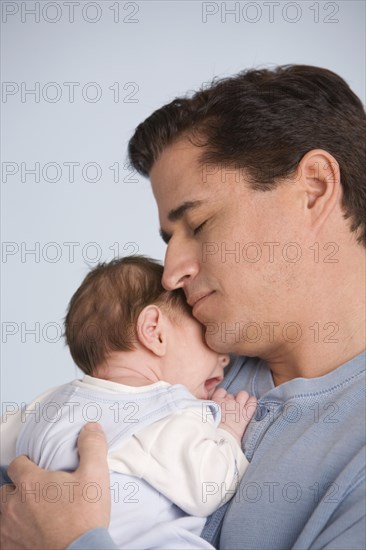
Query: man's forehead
<point x="176" y="181"/>
<point x="181" y="166"/>
<point x="175" y="162"/>
<point x="181" y="183"/>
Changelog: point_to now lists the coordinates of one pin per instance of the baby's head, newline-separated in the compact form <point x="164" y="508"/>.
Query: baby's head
<point x="122" y="308"/>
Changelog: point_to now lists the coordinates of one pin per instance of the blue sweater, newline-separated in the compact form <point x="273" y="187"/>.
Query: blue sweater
<point x="305" y="485"/>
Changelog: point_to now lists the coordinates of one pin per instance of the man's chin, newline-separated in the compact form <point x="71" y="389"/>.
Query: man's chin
<point x="215" y="342"/>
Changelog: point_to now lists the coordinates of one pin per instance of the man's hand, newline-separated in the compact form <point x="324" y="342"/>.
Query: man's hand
<point x="48" y="510"/>
<point x="236" y="411"/>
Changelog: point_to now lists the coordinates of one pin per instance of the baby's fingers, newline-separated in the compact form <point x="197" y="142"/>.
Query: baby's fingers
<point x="219" y="395"/>
<point x="250" y="407"/>
<point x="242" y="397"/>
<point x="248" y="404"/>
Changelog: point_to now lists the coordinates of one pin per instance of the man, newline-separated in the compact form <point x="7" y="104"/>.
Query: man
<point x="261" y="191"/>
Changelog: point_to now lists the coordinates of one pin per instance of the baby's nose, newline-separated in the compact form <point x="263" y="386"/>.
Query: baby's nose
<point x="224" y="360"/>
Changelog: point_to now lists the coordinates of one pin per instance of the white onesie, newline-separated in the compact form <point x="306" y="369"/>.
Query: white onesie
<point x="170" y="465"/>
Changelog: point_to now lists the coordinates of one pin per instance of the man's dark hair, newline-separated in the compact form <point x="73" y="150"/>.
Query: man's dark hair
<point x="264" y="121"/>
<point x="102" y="314"/>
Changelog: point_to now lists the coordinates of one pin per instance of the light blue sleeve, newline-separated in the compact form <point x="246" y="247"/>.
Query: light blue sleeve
<point x="95" y="539"/>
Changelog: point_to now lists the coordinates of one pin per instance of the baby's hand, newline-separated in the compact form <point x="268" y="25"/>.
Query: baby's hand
<point x="236" y="411"/>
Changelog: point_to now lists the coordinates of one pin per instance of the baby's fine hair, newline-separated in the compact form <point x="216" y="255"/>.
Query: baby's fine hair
<point x="102" y="314"/>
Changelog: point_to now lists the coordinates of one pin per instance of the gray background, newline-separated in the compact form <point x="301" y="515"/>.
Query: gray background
<point x="149" y="52"/>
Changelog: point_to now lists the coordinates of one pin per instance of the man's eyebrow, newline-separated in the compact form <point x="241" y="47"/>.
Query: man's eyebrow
<point x="177" y="214"/>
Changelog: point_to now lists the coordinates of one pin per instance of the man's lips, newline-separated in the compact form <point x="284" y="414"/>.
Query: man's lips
<point x="198" y="298"/>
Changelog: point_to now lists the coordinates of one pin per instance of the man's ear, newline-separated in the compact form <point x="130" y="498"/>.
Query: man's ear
<point x="319" y="176"/>
<point x="151" y="330"/>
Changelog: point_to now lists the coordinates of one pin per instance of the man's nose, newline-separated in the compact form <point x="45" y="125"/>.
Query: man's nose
<point x="180" y="267"/>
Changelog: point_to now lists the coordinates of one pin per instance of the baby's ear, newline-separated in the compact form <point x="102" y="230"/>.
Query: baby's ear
<point x="151" y="329"/>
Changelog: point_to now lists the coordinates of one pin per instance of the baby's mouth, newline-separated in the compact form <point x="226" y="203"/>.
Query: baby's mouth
<point x="211" y="383"/>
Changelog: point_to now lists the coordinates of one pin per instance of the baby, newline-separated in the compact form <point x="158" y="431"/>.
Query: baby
<point x="174" y="456"/>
